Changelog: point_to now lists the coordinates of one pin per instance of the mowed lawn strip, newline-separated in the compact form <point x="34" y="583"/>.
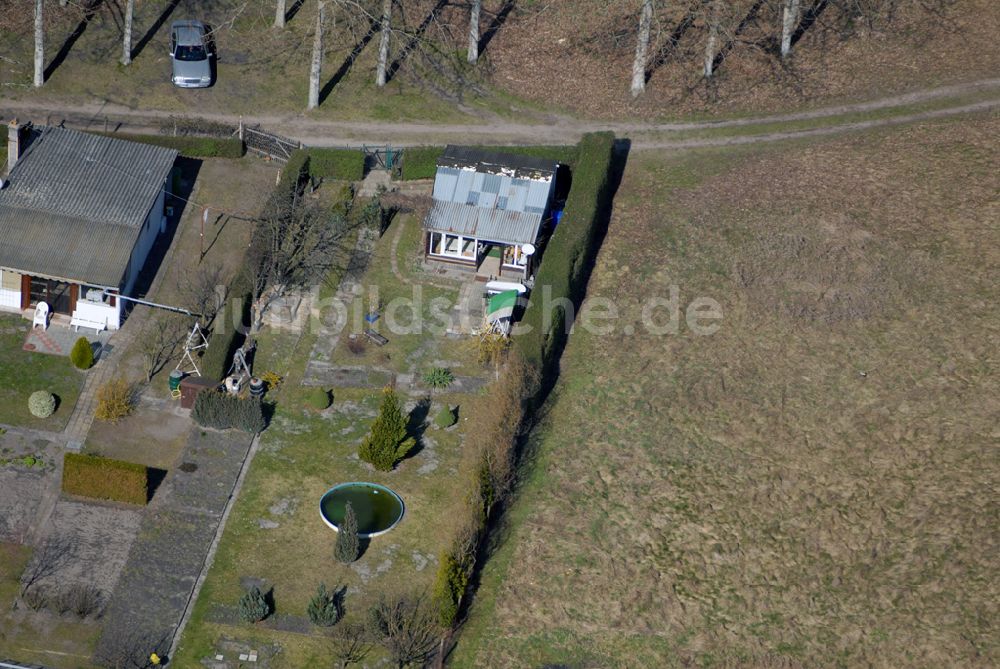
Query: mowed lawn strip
<point x="813" y="483"/>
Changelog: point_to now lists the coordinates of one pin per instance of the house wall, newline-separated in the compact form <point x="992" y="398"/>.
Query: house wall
<point x="150" y="230"/>
<point x="10" y="290"/>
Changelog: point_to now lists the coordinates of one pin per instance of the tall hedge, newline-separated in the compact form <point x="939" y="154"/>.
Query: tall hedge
<point x="343" y="164"/>
<point x="227" y="335"/>
<point x="223" y="411"/>
<point x="570" y="251"/>
<point x="189" y="147"/>
<point x="104" y="478"/>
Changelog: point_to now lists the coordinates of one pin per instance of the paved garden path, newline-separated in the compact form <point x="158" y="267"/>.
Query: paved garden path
<point x="173" y="544"/>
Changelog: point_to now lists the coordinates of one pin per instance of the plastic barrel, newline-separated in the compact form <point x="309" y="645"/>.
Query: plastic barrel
<point x="256" y="387"/>
<point x="175" y="380"/>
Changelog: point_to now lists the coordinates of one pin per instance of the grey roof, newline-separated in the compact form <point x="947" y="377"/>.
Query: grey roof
<point x="495" y="225"/>
<point x="497" y="162"/>
<point x="76" y="203"/>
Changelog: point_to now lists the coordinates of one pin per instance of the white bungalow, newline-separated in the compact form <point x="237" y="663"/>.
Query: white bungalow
<point x="490" y="211"/>
<point x="79" y="214"/>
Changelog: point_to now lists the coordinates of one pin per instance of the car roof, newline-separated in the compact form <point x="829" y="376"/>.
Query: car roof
<point x="188" y="32"/>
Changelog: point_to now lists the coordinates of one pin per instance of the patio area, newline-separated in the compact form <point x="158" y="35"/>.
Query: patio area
<point x="58" y="339"/>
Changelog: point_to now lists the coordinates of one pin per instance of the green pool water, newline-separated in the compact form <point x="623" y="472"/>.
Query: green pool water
<point x="377" y="508"/>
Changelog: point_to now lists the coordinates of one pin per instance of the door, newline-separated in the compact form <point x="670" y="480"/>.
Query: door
<point x="58" y="294"/>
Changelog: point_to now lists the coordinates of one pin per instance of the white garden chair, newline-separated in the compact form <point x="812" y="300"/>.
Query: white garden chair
<point x="41" y="316"/>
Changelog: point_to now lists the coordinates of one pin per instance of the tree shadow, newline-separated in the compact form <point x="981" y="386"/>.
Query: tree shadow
<point x="664" y="53"/>
<point x="153" y="29"/>
<point x="345" y="67"/>
<point x="415" y="38"/>
<point x="809" y="18"/>
<point x="730" y="44"/>
<point x="496" y="23"/>
<point x="416" y="424"/>
<point x="89" y="10"/>
<point x="293" y="10"/>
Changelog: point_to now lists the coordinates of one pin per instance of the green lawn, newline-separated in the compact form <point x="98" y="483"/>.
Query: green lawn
<point x="23" y="372"/>
<point x="275" y="532"/>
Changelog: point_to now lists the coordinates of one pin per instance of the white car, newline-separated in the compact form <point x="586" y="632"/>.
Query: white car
<point x="190" y="54"/>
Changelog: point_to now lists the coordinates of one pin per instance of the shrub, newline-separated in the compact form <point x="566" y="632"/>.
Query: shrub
<point x="36" y="598"/>
<point x="82" y="354"/>
<point x="226" y="338"/>
<point x="446" y="417"/>
<point x="115" y="400"/>
<point x="439" y="377"/>
<point x="254" y="606"/>
<point x="348" y="547"/>
<point x="387" y="443"/>
<point x="449" y="586"/>
<point x="324" y="610"/>
<point x="223" y="411"/>
<point x="189" y="147"/>
<point x="343" y="164"/>
<point x="271" y="379"/>
<point x="318" y="398"/>
<point x="104" y="478"/>
<point x="41" y="404"/>
<point x="81" y="600"/>
<point x="568" y="254"/>
<point x="420" y="162"/>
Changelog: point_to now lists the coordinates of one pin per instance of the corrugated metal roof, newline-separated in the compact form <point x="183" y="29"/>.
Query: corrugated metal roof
<point x="76" y="203"/>
<point x="495" y="225"/>
<point x="88" y="253"/>
<point x="466" y="186"/>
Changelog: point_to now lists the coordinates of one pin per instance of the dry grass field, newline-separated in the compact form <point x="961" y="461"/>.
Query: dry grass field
<point x="816" y="483"/>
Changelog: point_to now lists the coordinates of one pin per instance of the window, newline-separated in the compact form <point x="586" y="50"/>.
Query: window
<point x="502" y="202"/>
<point x="472" y="198"/>
<point x="10" y="281"/>
<point x="452" y="246"/>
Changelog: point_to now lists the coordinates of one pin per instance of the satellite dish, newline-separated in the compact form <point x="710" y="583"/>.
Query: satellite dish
<point x="528" y="249"/>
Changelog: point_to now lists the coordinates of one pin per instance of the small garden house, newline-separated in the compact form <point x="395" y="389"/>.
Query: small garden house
<point x="490" y="211"/>
<point x="79" y="214"/>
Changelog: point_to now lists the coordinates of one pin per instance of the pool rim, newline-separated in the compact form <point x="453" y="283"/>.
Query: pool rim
<point x="364" y="535"/>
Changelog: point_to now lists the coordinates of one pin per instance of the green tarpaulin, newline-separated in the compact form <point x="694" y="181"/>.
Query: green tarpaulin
<point x="502" y="305"/>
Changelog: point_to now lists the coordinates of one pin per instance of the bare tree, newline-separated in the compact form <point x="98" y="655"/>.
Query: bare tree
<point x="641" y="49"/>
<point x="39" y="45"/>
<point x="474" y="12"/>
<point x="405" y="629"/>
<point x="159" y="341"/>
<point x="127" y="33"/>
<point x="203" y="292"/>
<point x="383" y="46"/>
<point x="789" y="17"/>
<point x="279" y="14"/>
<point x="714" y="18"/>
<point x="294" y="247"/>
<point x="317" y="58"/>
<point x="50" y="557"/>
<point x="353" y="646"/>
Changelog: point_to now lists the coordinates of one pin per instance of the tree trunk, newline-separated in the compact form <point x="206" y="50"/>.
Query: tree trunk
<point x="714" y="17"/>
<point x="789" y="17"/>
<point x="39" y="45"/>
<point x="317" y="59"/>
<point x="641" y="49"/>
<point x="279" y="14"/>
<point x="127" y="37"/>
<point x="383" y="47"/>
<point x="474" y="12"/>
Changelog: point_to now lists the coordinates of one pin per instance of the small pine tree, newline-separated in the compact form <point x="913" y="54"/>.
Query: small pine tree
<point x="348" y="548"/>
<point x="387" y="443"/>
<point x="323" y="610"/>
<point x="254" y="606"/>
<point x="82" y="354"/>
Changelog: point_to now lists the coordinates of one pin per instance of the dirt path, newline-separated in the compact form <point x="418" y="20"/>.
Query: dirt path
<point x="560" y="129"/>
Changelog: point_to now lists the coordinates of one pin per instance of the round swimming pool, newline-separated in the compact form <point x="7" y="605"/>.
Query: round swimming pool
<point x="377" y="508"/>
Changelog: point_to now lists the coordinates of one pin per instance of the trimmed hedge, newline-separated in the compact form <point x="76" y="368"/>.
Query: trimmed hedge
<point x="104" y="478"/>
<point x="226" y="337"/>
<point x="343" y="164"/>
<point x="420" y="162"/>
<point x="189" y="147"/>
<point x="569" y="252"/>
<point x="223" y="411"/>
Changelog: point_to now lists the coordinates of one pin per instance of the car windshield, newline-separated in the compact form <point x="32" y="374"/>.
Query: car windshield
<point x="190" y="53"/>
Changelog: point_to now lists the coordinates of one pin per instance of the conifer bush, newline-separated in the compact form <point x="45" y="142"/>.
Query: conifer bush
<point x="82" y="354"/>
<point x="323" y="610"/>
<point x="348" y="547"/>
<point x="254" y="606"/>
<point x="445" y="417"/>
<point x="388" y="442"/>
